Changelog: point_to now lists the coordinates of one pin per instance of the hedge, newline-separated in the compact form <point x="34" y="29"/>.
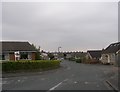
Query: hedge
<point x="12" y="66"/>
<point x="78" y="60"/>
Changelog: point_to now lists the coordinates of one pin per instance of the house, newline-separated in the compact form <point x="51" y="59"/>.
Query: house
<point x="44" y="55"/>
<point x="118" y="58"/>
<point x="93" y="55"/>
<point x="68" y="55"/>
<point x="74" y="55"/>
<point x="17" y="51"/>
<point x="111" y="54"/>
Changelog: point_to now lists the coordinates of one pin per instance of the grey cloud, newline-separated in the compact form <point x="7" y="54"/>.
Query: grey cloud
<point x="74" y="26"/>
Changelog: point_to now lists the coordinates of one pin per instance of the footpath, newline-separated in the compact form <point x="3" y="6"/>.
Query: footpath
<point x="113" y="80"/>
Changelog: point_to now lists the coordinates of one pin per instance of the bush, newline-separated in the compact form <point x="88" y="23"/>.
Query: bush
<point x="78" y="60"/>
<point x="71" y="59"/>
<point x="12" y="66"/>
<point x="51" y="56"/>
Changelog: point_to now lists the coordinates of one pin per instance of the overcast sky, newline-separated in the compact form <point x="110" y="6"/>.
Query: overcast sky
<point x="75" y="26"/>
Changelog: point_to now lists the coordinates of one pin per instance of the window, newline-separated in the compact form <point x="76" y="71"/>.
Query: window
<point x="106" y="56"/>
<point x="2" y="57"/>
<point x="23" y="55"/>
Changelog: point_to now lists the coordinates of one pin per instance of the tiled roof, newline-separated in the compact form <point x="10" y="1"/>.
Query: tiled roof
<point x="112" y="48"/>
<point x="16" y="46"/>
<point x="95" y="53"/>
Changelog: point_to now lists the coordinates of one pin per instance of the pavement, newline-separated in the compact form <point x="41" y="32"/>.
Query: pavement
<point x="113" y="80"/>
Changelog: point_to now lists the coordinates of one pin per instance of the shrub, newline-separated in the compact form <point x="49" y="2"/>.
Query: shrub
<point x="71" y="59"/>
<point x="51" y="56"/>
<point x="29" y="65"/>
<point x="78" y="60"/>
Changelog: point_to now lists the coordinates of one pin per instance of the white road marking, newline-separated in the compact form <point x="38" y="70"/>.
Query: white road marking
<point x="98" y="86"/>
<point x="4" y="82"/>
<point x="68" y="68"/>
<point x="57" y="85"/>
<point x="65" y="80"/>
<point x="25" y="78"/>
<point x="3" y="78"/>
<point x="40" y="72"/>
<point x="75" y="82"/>
<point x="42" y="78"/>
<point x="86" y="82"/>
<point x="73" y="75"/>
<point x="18" y="80"/>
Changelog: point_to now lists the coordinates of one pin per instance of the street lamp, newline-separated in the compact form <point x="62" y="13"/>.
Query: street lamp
<point x="58" y="52"/>
<point x="59" y="49"/>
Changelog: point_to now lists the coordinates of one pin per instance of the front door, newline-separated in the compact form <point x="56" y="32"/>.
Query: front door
<point x="108" y="59"/>
<point x="12" y="56"/>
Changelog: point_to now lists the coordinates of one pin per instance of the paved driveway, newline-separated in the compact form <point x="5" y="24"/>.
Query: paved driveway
<point x="71" y="76"/>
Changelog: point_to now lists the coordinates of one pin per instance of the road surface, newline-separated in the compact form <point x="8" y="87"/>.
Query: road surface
<point x="70" y="76"/>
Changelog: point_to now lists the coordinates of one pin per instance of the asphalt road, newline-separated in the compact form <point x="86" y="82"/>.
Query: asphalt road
<point x="71" y="76"/>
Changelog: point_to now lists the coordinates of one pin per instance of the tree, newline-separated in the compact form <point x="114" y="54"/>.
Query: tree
<point x="37" y="54"/>
<point x="51" y="56"/>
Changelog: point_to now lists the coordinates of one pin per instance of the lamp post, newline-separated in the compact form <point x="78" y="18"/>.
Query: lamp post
<point x="59" y="49"/>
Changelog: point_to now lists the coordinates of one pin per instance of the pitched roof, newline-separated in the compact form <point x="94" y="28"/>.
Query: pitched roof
<point x="95" y="53"/>
<point x="112" y="48"/>
<point x="16" y="46"/>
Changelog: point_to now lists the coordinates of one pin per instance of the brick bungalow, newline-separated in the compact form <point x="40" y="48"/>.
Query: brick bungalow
<point x="110" y="54"/>
<point x="17" y="51"/>
<point x="93" y="55"/>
